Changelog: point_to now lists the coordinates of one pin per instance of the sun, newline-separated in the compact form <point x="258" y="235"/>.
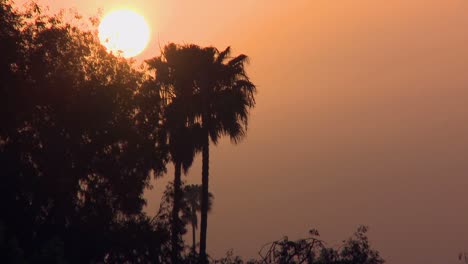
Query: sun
<point x="124" y="32"/>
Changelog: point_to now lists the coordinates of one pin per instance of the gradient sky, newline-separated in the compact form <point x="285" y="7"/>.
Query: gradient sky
<point x="361" y="118"/>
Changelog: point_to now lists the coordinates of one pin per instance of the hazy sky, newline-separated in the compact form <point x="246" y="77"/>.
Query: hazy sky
<point x="361" y="118"/>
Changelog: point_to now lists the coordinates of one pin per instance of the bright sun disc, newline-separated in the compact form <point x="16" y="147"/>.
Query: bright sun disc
<point x="125" y="32"/>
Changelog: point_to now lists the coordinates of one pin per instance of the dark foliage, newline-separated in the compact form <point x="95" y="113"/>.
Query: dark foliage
<point x="73" y="161"/>
<point x="312" y="250"/>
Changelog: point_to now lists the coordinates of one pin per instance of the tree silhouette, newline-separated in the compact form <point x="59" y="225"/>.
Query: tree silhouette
<point x="73" y="161"/>
<point x="222" y="100"/>
<point x="312" y="250"/>
<point x="210" y="89"/>
<point x="192" y="205"/>
<point x="355" y="250"/>
<point x="174" y="79"/>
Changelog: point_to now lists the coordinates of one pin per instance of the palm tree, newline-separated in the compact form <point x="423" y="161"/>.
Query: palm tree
<point x="174" y="81"/>
<point x="192" y="205"/>
<point x="211" y="89"/>
<point x="182" y="151"/>
<point x="223" y="96"/>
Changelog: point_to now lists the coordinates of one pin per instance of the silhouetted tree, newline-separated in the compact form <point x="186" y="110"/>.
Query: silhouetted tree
<point x="211" y="89"/>
<point x="222" y="100"/>
<point x="312" y="250"/>
<point x="192" y="205"/>
<point x="355" y="250"/>
<point x="174" y="79"/>
<point x="73" y="159"/>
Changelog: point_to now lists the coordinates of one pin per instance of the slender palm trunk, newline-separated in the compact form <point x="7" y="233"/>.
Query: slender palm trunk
<point x="204" y="201"/>
<point x="175" y="232"/>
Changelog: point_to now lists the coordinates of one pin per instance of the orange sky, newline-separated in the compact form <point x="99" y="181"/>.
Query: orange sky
<point x="362" y="118"/>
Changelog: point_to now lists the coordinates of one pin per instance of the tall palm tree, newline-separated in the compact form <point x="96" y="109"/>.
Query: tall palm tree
<point x="192" y="204"/>
<point x="175" y="83"/>
<point x="211" y="89"/>
<point x="223" y="97"/>
<point x="182" y="151"/>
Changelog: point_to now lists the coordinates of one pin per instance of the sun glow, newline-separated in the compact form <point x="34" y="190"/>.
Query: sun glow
<point x="124" y="32"/>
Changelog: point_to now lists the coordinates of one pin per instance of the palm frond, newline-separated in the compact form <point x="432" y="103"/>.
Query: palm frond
<point x="223" y="55"/>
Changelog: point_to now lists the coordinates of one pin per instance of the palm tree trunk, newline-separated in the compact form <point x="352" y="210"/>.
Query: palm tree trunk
<point x="204" y="202"/>
<point x="175" y="232"/>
